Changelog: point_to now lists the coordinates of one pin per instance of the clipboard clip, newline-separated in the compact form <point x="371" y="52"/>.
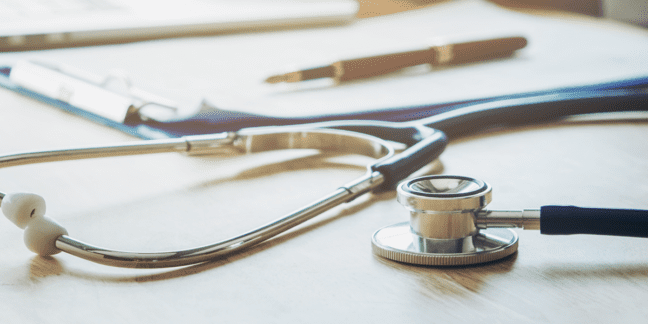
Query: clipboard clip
<point x="112" y="97"/>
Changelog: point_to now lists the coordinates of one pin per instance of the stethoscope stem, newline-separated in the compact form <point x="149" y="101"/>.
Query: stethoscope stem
<point x="528" y="219"/>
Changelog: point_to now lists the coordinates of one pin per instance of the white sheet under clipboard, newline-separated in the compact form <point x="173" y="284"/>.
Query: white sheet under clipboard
<point x="29" y="24"/>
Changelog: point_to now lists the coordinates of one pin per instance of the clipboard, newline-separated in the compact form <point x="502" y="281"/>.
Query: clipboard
<point x="32" y="24"/>
<point x="149" y="116"/>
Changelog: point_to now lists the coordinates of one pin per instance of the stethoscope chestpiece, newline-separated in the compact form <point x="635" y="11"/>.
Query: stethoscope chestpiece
<point x="442" y="230"/>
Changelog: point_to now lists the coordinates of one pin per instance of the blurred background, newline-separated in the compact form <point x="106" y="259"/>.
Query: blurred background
<point x="630" y="11"/>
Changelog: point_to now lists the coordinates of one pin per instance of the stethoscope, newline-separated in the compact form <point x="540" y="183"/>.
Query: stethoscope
<point x="448" y="225"/>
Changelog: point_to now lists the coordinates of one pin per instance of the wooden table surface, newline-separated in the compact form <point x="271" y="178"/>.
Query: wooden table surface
<point x="322" y="271"/>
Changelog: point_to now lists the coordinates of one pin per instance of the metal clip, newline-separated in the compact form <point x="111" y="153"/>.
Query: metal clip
<point x="113" y="97"/>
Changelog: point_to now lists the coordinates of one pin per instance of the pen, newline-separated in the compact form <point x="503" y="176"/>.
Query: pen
<point x="446" y="54"/>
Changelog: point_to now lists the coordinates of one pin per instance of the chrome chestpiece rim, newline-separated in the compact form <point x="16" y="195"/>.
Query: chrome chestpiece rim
<point x="444" y="187"/>
<point x="442" y="230"/>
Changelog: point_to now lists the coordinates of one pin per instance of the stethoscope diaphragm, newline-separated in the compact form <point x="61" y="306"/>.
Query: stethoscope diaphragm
<point x="442" y="229"/>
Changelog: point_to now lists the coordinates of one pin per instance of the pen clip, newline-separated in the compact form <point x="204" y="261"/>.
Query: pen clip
<point x="86" y="91"/>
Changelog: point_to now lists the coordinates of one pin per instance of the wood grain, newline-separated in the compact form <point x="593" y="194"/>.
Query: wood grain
<point x="322" y="271"/>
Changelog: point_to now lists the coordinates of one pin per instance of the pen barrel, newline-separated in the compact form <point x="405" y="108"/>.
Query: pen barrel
<point x="476" y="51"/>
<point x="377" y="65"/>
<point x="483" y="50"/>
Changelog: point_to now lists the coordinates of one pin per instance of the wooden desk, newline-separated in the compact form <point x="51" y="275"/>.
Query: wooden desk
<point x="322" y="271"/>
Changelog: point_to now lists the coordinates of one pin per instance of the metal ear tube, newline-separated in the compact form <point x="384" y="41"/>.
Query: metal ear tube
<point x="45" y="236"/>
<point x="449" y="225"/>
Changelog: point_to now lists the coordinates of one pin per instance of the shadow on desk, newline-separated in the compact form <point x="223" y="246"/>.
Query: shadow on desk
<point x="42" y="267"/>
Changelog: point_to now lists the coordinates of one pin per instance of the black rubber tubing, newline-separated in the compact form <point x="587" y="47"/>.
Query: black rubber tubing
<point x="563" y="220"/>
<point x="534" y="110"/>
<point x="401" y="165"/>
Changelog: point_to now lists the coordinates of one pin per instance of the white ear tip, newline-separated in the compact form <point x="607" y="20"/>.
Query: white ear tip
<point x="22" y="208"/>
<point x="41" y="234"/>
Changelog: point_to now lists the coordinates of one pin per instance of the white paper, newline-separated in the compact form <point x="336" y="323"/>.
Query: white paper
<point x="229" y="70"/>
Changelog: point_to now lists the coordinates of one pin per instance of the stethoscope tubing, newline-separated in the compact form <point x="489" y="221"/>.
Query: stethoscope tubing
<point x="404" y="124"/>
<point x="384" y="174"/>
<point x="425" y="145"/>
<point x="566" y="220"/>
<point x="469" y="119"/>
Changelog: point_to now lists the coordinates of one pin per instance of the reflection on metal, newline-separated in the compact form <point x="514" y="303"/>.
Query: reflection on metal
<point x="398" y="243"/>
<point x="241" y="142"/>
<point x="448" y="225"/>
